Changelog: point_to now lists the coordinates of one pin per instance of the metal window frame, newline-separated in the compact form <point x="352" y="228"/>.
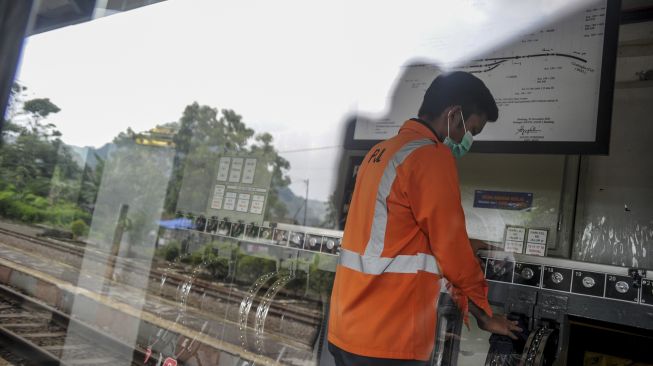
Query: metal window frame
<point x="15" y="18"/>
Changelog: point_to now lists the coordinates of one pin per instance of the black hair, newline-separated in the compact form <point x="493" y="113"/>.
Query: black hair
<point x="459" y="88"/>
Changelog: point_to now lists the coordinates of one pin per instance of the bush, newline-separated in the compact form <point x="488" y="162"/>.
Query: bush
<point x="27" y="213"/>
<point x="170" y="252"/>
<point x="36" y="201"/>
<point x="31" y="208"/>
<point x="216" y="265"/>
<point x="207" y="258"/>
<point x="196" y="258"/>
<point x="79" y="228"/>
<point x="250" y="268"/>
<point x="63" y="214"/>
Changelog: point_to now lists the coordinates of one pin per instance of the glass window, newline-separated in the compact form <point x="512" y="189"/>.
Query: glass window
<point x="176" y="176"/>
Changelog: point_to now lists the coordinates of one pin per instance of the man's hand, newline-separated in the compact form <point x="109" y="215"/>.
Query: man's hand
<point x="499" y="324"/>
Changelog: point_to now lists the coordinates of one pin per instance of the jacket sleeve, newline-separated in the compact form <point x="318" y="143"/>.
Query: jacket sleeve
<point x="432" y="190"/>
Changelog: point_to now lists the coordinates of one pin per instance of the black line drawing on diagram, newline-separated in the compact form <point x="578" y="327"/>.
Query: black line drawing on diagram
<point x="491" y="63"/>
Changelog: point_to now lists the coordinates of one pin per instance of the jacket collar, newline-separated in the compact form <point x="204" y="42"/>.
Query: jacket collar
<point x="421" y="127"/>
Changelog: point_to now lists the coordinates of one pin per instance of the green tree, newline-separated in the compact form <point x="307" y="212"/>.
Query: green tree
<point x="14" y="103"/>
<point x="331" y="218"/>
<point x="29" y="160"/>
<point x="35" y="165"/>
<point x="90" y="185"/>
<point x="37" y="110"/>
<point x="203" y="134"/>
<point x="275" y="209"/>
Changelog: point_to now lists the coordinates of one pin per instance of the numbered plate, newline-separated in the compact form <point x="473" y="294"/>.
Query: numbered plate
<point x="588" y="283"/>
<point x="621" y="288"/>
<point x="528" y="274"/>
<point x="498" y="270"/>
<point x="556" y="278"/>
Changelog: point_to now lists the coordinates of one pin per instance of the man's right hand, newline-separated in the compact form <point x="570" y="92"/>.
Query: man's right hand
<point x="499" y="324"/>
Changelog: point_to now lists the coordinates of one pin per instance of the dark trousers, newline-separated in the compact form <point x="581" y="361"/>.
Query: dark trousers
<point x="344" y="358"/>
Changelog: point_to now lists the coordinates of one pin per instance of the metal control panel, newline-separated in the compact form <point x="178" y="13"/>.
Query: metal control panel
<point x="548" y="294"/>
<point x="579" y="278"/>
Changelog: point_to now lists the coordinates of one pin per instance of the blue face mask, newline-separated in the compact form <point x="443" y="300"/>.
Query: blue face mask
<point x="458" y="149"/>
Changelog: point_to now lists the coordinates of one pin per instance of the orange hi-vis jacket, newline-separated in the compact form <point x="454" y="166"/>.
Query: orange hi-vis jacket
<point x="405" y="230"/>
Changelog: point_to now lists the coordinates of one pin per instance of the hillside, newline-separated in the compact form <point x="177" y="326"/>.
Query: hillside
<point x="316" y="209"/>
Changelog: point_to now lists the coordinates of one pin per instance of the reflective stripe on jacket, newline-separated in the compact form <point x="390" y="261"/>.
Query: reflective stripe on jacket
<point x="405" y="229"/>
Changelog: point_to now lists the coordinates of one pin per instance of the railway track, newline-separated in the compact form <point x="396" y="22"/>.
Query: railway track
<point x="199" y="287"/>
<point x="46" y="336"/>
<point x="60" y="246"/>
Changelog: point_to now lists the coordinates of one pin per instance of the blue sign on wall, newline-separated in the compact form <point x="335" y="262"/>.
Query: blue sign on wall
<point x="503" y="200"/>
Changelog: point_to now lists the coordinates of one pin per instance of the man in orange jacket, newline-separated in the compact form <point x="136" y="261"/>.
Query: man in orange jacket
<point x="405" y="231"/>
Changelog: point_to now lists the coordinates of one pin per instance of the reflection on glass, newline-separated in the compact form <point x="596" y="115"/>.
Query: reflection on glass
<point x="181" y="234"/>
<point x="215" y="269"/>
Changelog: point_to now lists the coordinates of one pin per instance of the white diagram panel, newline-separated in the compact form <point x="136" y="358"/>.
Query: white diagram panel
<point x="546" y="84"/>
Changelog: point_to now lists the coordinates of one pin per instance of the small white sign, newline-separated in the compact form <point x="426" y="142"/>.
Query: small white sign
<point x="536" y="242"/>
<point x="223" y="169"/>
<point x="515" y="233"/>
<point x="514" y="246"/>
<point x="236" y="170"/>
<point x="257" y="204"/>
<point x="218" y="195"/>
<point x="249" y="171"/>
<point x="230" y="201"/>
<point x="537" y="236"/>
<point x="536" y="249"/>
<point x="243" y="202"/>
<point x="216" y="204"/>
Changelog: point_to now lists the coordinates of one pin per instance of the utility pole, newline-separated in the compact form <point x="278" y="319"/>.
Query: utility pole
<point x="306" y="201"/>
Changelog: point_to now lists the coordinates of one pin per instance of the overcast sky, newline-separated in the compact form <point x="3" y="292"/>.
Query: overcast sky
<point x="293" y="68"/>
